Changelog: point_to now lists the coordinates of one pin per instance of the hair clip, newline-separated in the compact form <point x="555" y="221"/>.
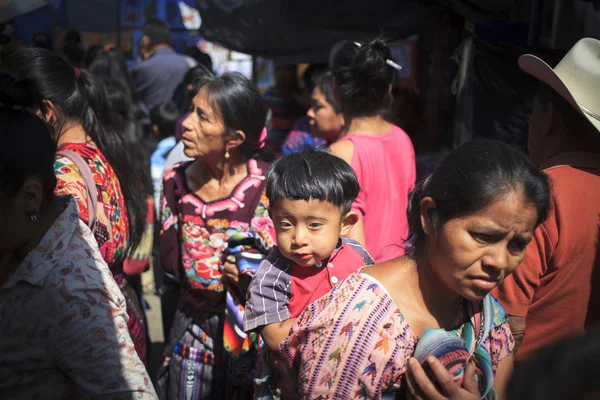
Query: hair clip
<point x="391" y="63"/>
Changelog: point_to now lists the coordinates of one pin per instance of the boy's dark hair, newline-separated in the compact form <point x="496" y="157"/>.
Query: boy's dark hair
<point x="313" y="174"/>
<point x="165" y="117"/>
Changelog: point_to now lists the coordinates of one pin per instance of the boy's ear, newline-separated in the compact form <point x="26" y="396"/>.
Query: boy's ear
<point x="348" y="222"/>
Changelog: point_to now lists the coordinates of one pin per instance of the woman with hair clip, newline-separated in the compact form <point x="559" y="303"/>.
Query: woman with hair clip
<point x="215" y="230"/>
<point x="363" y="76"/>
<point x="62" y="315"/>
<point x="93" y="163"/>
<point x="423" y="325"/>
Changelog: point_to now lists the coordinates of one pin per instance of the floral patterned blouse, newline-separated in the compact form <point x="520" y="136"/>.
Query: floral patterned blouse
<point x="355" y="343"/>
<point x="194" y="233"/>
<point x="112" y="226"/>
<point x="63" y="323"/>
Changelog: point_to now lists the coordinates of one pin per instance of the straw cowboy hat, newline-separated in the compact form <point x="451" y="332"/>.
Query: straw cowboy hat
<point x="576" y="77"/>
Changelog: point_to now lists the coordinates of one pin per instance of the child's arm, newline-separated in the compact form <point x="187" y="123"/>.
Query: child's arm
<point x="273" y="334"/>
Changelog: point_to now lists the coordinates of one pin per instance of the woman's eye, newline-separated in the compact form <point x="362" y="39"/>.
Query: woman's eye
<point x="482" y="237"/>
<point x="518" y="246"/>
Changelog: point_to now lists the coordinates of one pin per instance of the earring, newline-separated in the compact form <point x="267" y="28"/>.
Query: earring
<point x="34" y="217"/>
<point x="227" y="154"/>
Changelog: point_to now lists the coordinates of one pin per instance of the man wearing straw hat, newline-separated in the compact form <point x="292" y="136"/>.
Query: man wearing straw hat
<point x="548" y="296"/>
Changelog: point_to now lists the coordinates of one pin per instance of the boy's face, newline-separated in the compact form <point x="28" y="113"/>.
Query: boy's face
<point x="308" y="231"/>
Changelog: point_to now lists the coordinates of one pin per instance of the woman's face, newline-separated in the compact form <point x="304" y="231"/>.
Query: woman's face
<point x="16" y="227"/>
<point x="325" y="122"/>
<point x="473" y="254"/>
<point x="203" y="134"/>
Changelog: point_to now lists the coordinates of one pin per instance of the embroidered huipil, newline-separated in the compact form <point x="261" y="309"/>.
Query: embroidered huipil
<point x="355" y="342"/>
<point x="111" y="229"/>
<point x="193" y="237"/>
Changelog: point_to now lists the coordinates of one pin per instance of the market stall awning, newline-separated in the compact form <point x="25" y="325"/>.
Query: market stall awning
<point x="305" y="30"/>
<point x="10" y="9"/>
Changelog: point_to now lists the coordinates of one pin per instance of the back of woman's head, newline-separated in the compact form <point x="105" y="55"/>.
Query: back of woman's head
<point x="241" y="106"/>
<point x="28" y="145"/>
<point x="76" y="95"/>
<point x="325" y="84"/>
<point x="79" y="97"/>
<point x="110" y="66"/>
<point x="473" y="176"/>
<point x="363" y="77"/>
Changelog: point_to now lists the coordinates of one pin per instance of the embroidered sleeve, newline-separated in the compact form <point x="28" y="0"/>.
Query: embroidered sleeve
<point x="501" y="344"/>
<point x="70" y="182"/>
<point x="500" y="340"/>
<point x="268" y="295"/>
<point x="262" y="223"/>
<point x="169" y="225"/>
<point x="91" y="341"/>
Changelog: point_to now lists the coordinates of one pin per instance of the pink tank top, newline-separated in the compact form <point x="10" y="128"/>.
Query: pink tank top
<point x="385" y="167"/>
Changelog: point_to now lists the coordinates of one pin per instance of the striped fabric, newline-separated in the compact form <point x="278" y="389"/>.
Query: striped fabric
<point x="281" y="290"/>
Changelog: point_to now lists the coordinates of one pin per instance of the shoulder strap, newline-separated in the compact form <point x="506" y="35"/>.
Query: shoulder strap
<point x="88" y="179"/>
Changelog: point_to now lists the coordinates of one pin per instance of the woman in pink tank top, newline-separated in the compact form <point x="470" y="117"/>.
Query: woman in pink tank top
<point x="380" y="153"/>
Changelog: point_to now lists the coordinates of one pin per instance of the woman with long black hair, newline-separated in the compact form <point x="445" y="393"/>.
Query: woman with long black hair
<point x="93" y="162"/>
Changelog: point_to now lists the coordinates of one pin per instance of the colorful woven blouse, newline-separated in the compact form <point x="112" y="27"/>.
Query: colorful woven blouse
<point x="300" y="138"/>
<point x="112" y="226"/>
<point x="194" y="233"/>
<point x="355" y="343"/>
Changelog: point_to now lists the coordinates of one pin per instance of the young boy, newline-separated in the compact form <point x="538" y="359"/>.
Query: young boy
<point x="310" y="195"/>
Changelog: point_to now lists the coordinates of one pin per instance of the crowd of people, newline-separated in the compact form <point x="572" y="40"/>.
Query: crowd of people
<point x="295" y="253"/>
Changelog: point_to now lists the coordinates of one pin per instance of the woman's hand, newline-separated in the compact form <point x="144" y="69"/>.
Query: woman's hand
<point x="420" y="386"/>
<point x="232" y="274"/>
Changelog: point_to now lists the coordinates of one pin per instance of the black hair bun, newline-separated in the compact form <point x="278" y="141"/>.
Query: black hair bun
<point x="363" y="76"/>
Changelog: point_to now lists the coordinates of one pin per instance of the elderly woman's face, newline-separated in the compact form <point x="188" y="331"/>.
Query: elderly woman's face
<point x="473" y="254"/>
<point x="203" y="135"/>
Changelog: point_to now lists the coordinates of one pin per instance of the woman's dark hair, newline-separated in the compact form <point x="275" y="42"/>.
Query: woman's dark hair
<point x="83" y="99"/>
<point x="203" y="59"/>
<point x="241" y="106"/>
<point x="362" y="77"/>
<point x="91" y="54"/>
<point x="473" y="176"/>
<point x="195" y="77"/>
<point x="165" y="117"/>
<point x="28" y="145"/>
<point x="325" y="83"/>
<point x="110" y="66"/>
<point x="312" y="73"/>
<point x="124" y="114"/>
<point x="313" y="174"/>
